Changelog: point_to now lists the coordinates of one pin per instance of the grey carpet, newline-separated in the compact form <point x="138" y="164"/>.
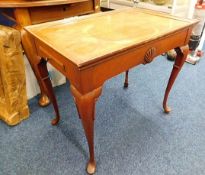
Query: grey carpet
<point x="132" y="134"/>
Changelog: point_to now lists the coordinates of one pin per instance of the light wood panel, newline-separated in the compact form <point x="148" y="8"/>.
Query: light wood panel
<point x="13" y="99"/>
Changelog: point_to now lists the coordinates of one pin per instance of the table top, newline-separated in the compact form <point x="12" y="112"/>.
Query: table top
<point x="34" y="3"/>
<point x="85" y="40"/>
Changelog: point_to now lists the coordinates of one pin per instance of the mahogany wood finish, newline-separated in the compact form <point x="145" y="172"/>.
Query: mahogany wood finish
<point x="126" y="79"/>
<point x="86" y="109"/>
<point x="180" y="59"/>
<point x="91" y="54"/>
<point x="28" y="12"/>
<point x="34" y="3"/>
<point x="45" y="79"/>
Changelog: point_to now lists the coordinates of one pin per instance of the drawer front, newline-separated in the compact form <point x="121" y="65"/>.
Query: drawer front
<point x="50" y="13"/>
<point x="141" y="55"/>
<point x="53" y="59"/>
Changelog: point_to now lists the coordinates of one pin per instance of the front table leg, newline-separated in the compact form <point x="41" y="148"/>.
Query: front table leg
<point x="43" y="71"/>
<point x="180" y="59"/>
<point x="86" y="109"/>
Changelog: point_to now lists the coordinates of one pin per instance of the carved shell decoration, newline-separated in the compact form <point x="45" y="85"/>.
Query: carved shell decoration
<point x="149" y="55"/>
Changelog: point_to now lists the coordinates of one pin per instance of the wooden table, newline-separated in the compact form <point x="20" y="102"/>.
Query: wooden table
<point x="93" y="49"/>
<point x="28" y="12"/>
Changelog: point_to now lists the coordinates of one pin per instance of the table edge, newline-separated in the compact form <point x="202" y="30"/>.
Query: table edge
<point x="37" y="3"/>
<point x="190" y="24"/>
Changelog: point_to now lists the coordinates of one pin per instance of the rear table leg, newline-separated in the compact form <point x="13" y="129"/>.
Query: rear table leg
<point x="31" y="54"/>
<point x="126" y="79"/>
<point x="48" y="87"/>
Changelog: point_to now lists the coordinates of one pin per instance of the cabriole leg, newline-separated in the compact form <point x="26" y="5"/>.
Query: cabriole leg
<point x="180" y="59"/>
<point x="86" y="108"/>
<point x="30" y="51"/>
<point x="42" y="68"/>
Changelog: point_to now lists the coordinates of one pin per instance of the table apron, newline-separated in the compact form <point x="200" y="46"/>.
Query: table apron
<point x="102" y="70"/>
<point x="131" y="58"/>
<point x="61" y="63"/>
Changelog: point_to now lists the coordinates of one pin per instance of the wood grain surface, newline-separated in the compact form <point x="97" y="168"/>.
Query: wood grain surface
<point x="91" y="38"/>
<point x="34" y="3"/>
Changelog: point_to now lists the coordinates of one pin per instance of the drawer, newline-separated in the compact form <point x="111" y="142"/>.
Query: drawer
<point x="51" y="57"/>
<point x="50" y="13"/>
<point x="142" y="54"/>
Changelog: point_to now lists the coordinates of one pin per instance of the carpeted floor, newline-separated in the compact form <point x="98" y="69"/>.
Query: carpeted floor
<point x="132" y="134"/>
